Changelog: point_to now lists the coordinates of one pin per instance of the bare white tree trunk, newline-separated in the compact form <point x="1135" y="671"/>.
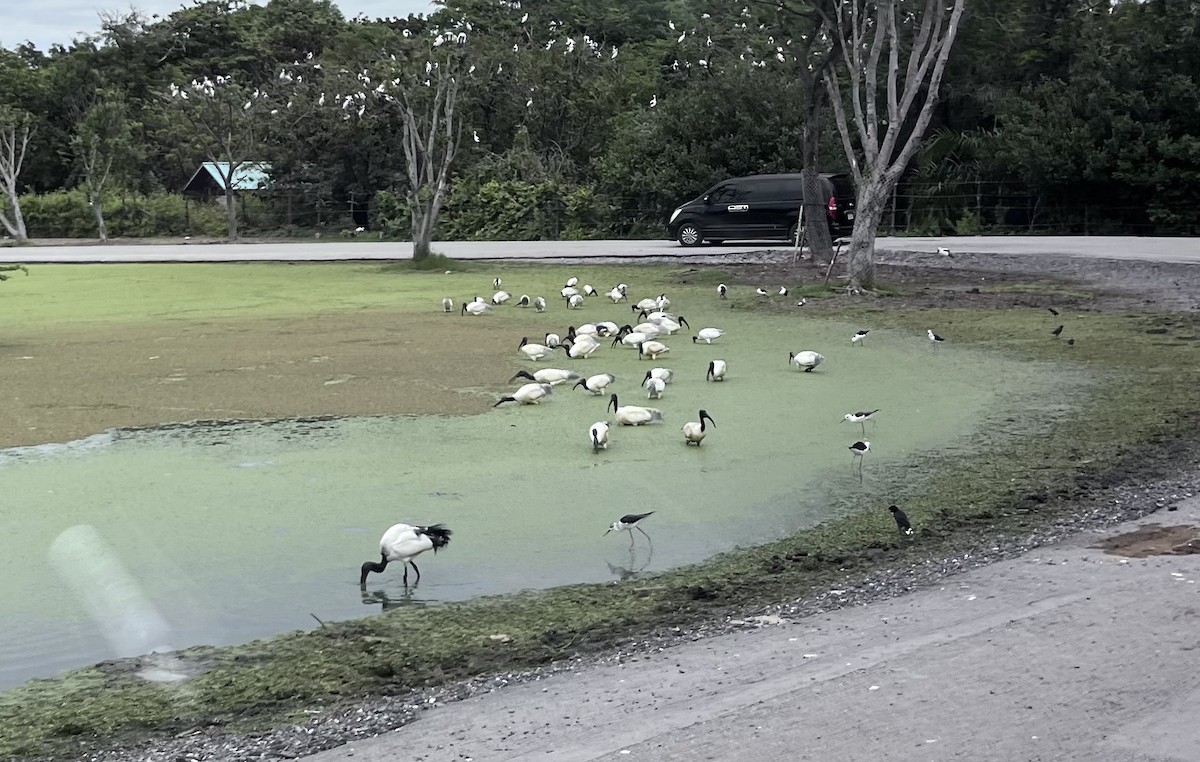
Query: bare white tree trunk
<point x="14" y="141"/>
<point x="880" y="146"/>
<point x="430" y="145"/>
<point x="96" y="169"/>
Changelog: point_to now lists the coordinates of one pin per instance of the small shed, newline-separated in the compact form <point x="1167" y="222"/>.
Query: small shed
<point x="208" y="182"/>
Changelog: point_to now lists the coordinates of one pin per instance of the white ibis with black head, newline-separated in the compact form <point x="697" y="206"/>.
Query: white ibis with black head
<point x="716" y="370"/>
<point x="629" y="522"/>
<point x="403" y="543"/>
<point x="529" y="394"/>
<point x="695" y="431"/>
<point x="539" y="304"/>
<point x="598" y="433"/>
<point x="476" y="308"/>
<point x="596" y="384"/>
<point x="708" y="335"/>
<point x="806" y="360"/>
<point x="552" y="376"/>
<point x="633" y="415"/>
<point x="447" y="305"/>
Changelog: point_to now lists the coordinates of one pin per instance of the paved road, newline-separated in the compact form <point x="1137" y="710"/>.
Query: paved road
<point x="1150" y="249"/>
<point x="1065" y="654"/>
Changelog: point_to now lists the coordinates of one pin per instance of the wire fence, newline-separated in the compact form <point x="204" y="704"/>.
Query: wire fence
<point x="914" y="208"/>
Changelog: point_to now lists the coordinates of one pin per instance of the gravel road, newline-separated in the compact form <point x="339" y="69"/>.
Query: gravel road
<point x="1065" y="653"/>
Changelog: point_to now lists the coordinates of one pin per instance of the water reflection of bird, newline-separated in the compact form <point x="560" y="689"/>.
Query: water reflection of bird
<point x="629" y="522"/>
<point x="387" y="602"/>
<point x="403" y="543"/>
<point x="633" y="568"/>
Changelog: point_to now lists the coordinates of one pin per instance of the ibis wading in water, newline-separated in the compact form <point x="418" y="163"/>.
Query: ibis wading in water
<point x="598" y="433"/>
<point x="552" y="376"/>
<point x="806" y="360"/>
<point x="632" y="415"/>
<point x="403" y="543"/>
<point x="628" y="522"/>
<point x="529" y="394"/>
<point x="695" y="431"/>
<point x="596" y="384"/>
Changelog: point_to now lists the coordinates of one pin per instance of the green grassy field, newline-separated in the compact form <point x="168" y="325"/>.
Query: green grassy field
<point x="1125" y="424"/>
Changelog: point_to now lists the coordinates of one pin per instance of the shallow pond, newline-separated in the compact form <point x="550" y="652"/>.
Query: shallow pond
<point x="225" y="534"/>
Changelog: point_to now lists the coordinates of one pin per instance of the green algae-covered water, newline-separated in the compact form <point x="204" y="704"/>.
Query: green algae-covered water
<point x="129" y="541"/>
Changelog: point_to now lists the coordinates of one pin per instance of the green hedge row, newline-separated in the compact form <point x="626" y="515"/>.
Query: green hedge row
<point x="488" y="210"/>
<point x="67" y="214"/>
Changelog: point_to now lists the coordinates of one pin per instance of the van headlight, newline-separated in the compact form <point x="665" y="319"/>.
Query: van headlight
<point x="675" y="214"/>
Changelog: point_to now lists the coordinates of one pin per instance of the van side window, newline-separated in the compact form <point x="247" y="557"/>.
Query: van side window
<point x="726" y="194"/>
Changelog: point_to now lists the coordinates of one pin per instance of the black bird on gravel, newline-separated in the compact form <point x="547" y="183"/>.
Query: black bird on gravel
<point x="1053" y="311"/>
<point x="902" y="522"/>
<point x="1057" y="331"/>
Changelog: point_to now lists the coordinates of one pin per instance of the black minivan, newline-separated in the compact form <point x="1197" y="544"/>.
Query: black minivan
<point x="759" y="206"/>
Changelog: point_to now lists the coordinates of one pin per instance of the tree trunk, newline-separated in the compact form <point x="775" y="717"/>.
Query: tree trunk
<point x="860" y="262"/>
<point x="231" y="213"/>
<point x="98" y="213"/>
<point x="16" y="225"/>
<point x="815" y="206"/>
<point x="422" y="231"/>
<point x="816" y="215"/>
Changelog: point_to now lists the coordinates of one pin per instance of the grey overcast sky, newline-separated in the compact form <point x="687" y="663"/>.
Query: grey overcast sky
<point x="45" y="22"/>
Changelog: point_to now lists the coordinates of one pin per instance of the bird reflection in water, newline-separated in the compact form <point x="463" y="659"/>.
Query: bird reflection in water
<point x="387" y="602"/>
<point x="634" y="566"/>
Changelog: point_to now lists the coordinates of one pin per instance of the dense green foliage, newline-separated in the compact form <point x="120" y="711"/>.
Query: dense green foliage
<point x="1055" y="116"/>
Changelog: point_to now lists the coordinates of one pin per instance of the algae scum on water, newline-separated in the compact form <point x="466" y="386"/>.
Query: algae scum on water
<point x="236" y="532"/>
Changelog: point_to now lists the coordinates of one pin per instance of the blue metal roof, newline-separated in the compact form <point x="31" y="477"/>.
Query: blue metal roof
<point x="248" y="176"/>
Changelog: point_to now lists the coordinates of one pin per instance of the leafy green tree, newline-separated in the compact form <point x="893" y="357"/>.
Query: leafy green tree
<point x="226" y="121"/>
<point x="103" y="147"/>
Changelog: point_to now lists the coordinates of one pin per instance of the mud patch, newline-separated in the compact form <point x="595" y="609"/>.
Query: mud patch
<point x="1154" y="540"/>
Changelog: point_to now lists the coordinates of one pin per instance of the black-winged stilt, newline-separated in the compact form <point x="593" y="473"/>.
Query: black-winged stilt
<point x="901" y="518"/>
<point x="859" y="337"/>
<point x="723" y="291"/>
<point x="403" y="543"/>
<point x="857" y="451"/>
<point x="861" y="417"/>
<point x="628" y="522"/>
<point x="761" y="291"/>
<point x="783" y="290"/>
<point x="937" y="340"/>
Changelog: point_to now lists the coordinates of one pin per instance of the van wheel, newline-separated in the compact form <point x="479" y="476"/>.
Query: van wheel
<point x="690" y="235"/>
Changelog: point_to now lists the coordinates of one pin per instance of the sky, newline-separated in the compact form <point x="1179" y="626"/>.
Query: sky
<point x="45" y="22"/>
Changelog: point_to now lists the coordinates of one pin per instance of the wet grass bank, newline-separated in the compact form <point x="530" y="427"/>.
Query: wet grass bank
<point x="1139" y="415"/>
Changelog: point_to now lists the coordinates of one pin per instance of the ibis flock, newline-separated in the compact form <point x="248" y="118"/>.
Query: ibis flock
<point x="649" y="336"/>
